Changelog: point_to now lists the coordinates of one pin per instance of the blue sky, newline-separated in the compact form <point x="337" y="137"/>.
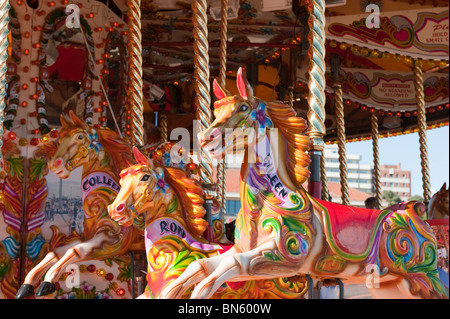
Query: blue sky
<point x="404" y="149"/>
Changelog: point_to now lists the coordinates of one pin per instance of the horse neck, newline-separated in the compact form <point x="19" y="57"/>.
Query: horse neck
<point x="95" y="165"/>
<point x="266" y="163"/>
<point x="166" y="205"/>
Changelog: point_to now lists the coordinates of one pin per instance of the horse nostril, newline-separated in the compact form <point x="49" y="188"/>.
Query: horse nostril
<point x="120" y="207"/>
<point x="58" y="162"/>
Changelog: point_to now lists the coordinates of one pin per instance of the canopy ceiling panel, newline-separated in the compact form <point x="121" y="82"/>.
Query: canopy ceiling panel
<point x="376" y="61"/>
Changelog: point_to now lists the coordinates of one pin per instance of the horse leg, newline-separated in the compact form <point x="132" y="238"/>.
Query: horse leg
<point x="195" y="272"/>
<point x="76" y="253"/>
<point x="33" y="276"/>
<point x="244" y="266"/>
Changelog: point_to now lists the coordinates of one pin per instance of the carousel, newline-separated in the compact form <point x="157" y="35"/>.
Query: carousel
<point x="118" y="118"/>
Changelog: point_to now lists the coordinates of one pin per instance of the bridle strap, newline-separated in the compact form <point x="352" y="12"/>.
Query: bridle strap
<point x="81" y="153"/>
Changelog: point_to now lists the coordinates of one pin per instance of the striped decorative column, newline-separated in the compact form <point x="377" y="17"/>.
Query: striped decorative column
<point x="4" y="21"/>
<point x="316" y="85"/>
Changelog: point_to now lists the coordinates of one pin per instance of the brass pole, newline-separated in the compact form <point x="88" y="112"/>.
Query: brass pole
<point x="201" y="84"/>
<point x="163" y="126"/>
<point x="135" y="99"/>
<point x="376" y="159"/>
<point x="221" y="173"/>
<point x="422" y="123"/>
<point x="340" y="128"/>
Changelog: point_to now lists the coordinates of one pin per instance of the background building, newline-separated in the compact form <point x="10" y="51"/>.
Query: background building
<point x="359" y="175"/>
<point x="394" y="179"/>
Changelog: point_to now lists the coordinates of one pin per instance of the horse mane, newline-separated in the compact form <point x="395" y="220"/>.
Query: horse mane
<point x="190" y="194"/>
<point x="118" y="148"/>
<point x="292" y="128"/>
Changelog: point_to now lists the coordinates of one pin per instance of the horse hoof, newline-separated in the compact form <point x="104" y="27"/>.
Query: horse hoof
<point x="25" y="291"/>
<point x="45" y="288"/>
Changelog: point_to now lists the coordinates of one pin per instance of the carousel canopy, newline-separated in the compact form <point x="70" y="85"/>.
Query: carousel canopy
<point x="376" y="42"/>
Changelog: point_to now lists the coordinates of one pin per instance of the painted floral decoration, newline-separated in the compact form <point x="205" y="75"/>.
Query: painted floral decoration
<point x="261" y="117"/>
<point x="95" y="144"/>
<point x="161" y="184"/>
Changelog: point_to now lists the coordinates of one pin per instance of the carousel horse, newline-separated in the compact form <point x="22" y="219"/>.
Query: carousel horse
<point x="283" y="231"/>
<point x="438" y="206"/>
<point x="172" y="204"/>
<point x="166" y="155"/>
<point x="103" y="154"/>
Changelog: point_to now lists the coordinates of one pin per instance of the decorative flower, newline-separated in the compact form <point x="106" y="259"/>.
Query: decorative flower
<point x="86" y="287"/>
<point x="166" y="159"/>
<point x="95" y="144"/>
<point x="260" y="116"/>
<point x="161" y="184"/>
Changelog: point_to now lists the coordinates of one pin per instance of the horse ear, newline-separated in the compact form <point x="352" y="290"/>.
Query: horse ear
<point x="219" y="92"/>
<point x="245" y="89"/>
<point x="65" y="122"/>
<point x="76" y="120"/>
<point x="140" y="158"/>
<point x="444" y="187"/>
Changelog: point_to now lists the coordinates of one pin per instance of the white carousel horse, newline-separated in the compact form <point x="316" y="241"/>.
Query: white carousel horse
<point x="283" y="231"/>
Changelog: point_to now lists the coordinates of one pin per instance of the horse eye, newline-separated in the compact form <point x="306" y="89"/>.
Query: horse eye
<point x="80" y="137"/>
<point x="145" y="178"/>
<point x="243" y="108"/>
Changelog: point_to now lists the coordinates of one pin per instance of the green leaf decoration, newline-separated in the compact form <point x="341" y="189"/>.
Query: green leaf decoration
<point x="295" y="225"/>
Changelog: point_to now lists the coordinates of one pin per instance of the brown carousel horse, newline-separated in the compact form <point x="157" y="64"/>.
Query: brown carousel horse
<point x="438" y="207"/>
<point x="103" y="154"/>
<point x="283" y="231"/>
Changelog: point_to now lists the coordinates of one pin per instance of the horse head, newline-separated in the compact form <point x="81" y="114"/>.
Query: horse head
<point x="78" y="144"/>
<point x="243" y="113"/>
<point x="137" y="191"/>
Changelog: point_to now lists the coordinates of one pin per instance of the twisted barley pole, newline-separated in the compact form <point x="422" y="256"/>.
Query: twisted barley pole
<point x="340" y="127"/>
<point x="376" y="159"/>
<point x="135" y="72"/>
<point x="316" y="81"/>
<point x="163" y="125"/>
<point x="201" y="84"/>
<point x="323" y="179"/>
<point x="422" y="123"/>
<point x="4" y="21"/>
<point x="316" y="95"/>
<point x="221" y="173"/>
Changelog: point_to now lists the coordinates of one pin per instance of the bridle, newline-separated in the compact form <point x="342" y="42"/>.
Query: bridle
<point x="144" y="196"/>
<point x="83" y="151"/>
